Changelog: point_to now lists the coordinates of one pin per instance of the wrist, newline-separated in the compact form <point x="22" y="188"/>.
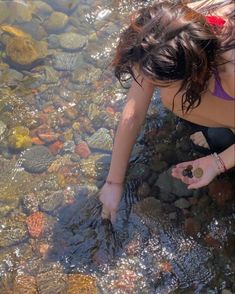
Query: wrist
<point x="110" y="182"/>
<point x="219" y="163"/>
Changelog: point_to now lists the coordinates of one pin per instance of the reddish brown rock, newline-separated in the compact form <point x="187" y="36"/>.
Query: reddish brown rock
<point x="212" y="242"/>
<point x="36" y="224"/>
<point x="37" y="141"/>
<point x="191" y="226"/>
<point x="83" y="150"/>
<point x="110" y="110"/>
<point x="56" y="147"/>
<point x="221" y="191"/>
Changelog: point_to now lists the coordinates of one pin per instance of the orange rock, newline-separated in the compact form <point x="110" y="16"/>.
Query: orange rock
<point x="83" y="150"/>
<point x="37" y="141"/>
<point x="110" y="110"/>
<point x="35" y="223"/>
<point x="47" y="137"/>
<point x="48" y="109"/>
<point x="56" y="147"/>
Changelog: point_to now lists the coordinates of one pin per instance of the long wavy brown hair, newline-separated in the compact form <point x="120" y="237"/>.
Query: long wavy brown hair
<point x="169" y="42"/>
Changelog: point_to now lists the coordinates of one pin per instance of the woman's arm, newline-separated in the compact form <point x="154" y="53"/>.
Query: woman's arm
<point x="132" y="117"/>
<point x="131" y="120"/>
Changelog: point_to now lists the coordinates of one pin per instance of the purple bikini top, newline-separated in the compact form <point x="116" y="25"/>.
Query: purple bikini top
<point x="219" y="91"/>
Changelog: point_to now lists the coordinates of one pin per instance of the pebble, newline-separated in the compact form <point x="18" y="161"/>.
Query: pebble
<point x="83" y="150"/>
<point x="72" y="41"/>
<point x="56" y="21"/>
<point x="182" y="203"/>
<point x="37" y="159"/>
<point x="67" y="61"/>
<point x="4" y="11"/>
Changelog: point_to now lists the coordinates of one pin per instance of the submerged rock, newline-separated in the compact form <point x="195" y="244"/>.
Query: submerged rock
<point x="25" y="51"/>
<point x="36" y="224"/>
<point x="72" y="41"/>
<point x="52" y="279"/>
<point x="101" y="140"/>
<point x="12" y="232"/>
<point x="67" y="61"/>
<point x="82" y="284"/>
<point x="56" y="21"/>
<point x="25" y="284"/>
<point x="19" y="139"/>
<point x="37" y="159"/>
<point x="21" y="48"/>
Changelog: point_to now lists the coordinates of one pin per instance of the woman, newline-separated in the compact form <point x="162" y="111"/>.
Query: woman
<point x="187" y="52"/>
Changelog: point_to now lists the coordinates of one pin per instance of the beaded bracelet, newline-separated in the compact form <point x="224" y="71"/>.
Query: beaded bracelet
<point x="113" y="183"/>
<point x="219" y="161"/>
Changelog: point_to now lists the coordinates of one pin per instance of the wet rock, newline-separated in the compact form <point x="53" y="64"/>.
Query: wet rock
<point x="2" y="128"/>
<point x="221" y="191"/>
<point x="20" y="11"/>
<point x="4" y="11"/>
<point x="182" y="203"/>
<point x="37" y="159"/>
<point x="30" y="203"/>
<point x="52" y="201"/>
<point x="36" y="224"/>
<point x="35" y="29"/>
<point x="86" y="74"/>
<point x="168" y="184"/>
<point x="82" y="284"/>
<point x="72" y="41"/>
<point x="53" y="41"/>
<point x="25" y="284"/>
<point x="88" y="166"/>
<point x="143" y="191"/>
<point x="42" y="9"/>
<point x="101" y="140"/>
<point x="67" y="61"/>
<point x="18" y="138"/>
<point x="56" y="21"/>
<point x="23" y="50"/>
<point x="12" y="232"/>
<point x="11" y="77"/>
<point x="66" y="6"/>
<point x="138" y="170"/>
<point x="82" y="149"/>
<point x="52" y="280"/>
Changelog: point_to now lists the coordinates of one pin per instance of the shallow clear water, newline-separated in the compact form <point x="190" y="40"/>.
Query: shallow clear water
<point x="59" y="108"/>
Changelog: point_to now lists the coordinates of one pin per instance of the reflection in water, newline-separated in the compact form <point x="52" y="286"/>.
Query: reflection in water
<point x="59" y="108"/>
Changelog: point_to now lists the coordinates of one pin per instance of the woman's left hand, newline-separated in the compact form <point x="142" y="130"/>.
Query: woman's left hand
<point x="209" y="172"/>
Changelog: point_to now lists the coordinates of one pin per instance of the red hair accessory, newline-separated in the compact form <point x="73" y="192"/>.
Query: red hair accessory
<point x="215" y="20"/>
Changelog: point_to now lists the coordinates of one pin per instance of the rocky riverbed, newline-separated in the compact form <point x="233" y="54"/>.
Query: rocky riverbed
<point x="59" y="109"/>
